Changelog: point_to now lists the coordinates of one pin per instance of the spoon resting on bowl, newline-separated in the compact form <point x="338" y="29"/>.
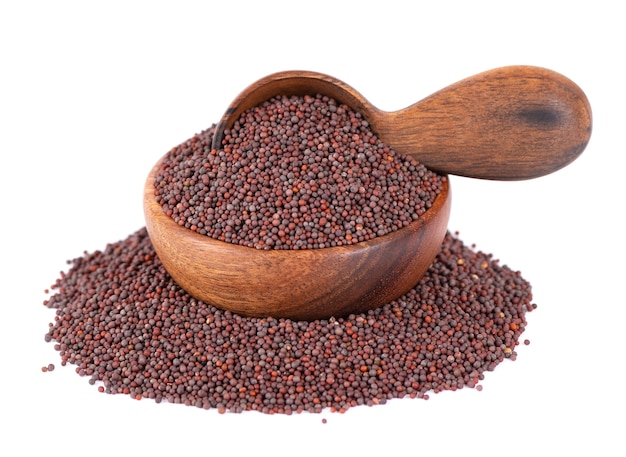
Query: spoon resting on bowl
<point x="509" y="123"/>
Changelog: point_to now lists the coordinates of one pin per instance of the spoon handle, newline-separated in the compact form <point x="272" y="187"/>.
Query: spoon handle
<point x="510" y="123"/>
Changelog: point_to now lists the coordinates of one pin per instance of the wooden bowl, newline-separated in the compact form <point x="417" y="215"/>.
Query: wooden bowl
<point x="296" y="284"/>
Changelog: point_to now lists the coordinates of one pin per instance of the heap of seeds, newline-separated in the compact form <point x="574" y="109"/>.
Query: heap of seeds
<point x="125" y="324"/>
<point x="294" y="173"/>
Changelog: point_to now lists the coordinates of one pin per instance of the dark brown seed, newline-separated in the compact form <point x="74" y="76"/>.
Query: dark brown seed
<point x="327" y="181"/>
<point x="123" y="322"/>
<point x="295" y="173"/>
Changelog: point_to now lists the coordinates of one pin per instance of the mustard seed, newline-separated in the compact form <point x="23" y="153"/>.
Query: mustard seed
<point x="293" y="173"/>
<point x="325" y="180"/>
<point x="124" y="323"/>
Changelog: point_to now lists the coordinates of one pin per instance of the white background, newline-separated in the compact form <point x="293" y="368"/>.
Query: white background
<point x="93" y="93"/>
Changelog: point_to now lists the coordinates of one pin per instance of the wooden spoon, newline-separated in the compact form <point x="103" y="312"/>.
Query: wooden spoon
<point x="510" y="123"/>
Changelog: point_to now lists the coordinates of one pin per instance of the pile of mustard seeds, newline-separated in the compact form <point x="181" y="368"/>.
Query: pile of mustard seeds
<point x="122" y="322"/>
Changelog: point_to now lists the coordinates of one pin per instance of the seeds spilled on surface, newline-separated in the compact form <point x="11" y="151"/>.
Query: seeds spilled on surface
<point x="126" y="325"/>
<point x="294" y="173"/>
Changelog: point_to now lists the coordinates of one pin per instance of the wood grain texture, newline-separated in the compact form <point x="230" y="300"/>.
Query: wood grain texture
<point x="296" y="284"/>
<point x="509" y="123"/>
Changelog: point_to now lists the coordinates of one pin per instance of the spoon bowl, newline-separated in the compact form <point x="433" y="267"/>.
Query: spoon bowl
<point x="297" y="284"/>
